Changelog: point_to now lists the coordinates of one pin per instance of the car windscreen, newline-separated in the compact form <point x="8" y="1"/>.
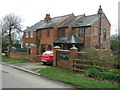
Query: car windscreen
<point x="48" y="52"/>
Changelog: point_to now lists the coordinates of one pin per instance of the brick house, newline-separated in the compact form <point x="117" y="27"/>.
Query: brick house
<point x="92" y="31"/>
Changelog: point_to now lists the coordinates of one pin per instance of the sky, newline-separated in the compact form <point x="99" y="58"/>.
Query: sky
<point x="32" y="11"/>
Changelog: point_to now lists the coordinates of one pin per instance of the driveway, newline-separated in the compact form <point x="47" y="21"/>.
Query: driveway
<point x="14" y="78"/>
<point x="31" y="65"/>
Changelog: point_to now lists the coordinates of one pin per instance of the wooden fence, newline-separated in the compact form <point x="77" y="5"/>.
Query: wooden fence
<point x="82" y="65"/>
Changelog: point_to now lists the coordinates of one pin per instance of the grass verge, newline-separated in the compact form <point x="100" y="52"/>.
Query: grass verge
<point x="14" y="61"/>
<point x="69" y="77"/>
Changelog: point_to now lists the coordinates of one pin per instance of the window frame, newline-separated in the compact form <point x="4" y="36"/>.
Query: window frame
<point x="104" y="34"/>
<point x="40" y="33"/>
<point x="49" y="47"/>
<point x="79" y="32"/>
<point x="62" y="33"/>
<point x="31" y="34"/>
<point x="27" y="34"/>
<point x="48" y="33"/>
<point x="43" y="48"/>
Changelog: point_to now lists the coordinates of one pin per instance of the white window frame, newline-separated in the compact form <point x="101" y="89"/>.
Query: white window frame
<point x="27" y="34"/>
<point x="31" y="34"/>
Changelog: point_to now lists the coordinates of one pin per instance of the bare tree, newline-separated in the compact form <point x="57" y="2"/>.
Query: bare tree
<point x="11" y="27"/>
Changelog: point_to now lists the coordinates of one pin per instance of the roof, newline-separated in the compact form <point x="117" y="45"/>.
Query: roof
<point x="42" y="25"/>
<point x="70" y="39"/>
<point x="34" y="27"/>
<point x="71" y="21"/>
<point x="80" y="21"/>
<point x="87" y="21"/>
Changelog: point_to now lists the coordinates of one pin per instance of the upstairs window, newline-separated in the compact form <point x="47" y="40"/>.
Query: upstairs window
<point x="40" y="33"/>
<point x="104" y="36"/>
<point x="62" y="33"/>
<point x="31" y="34"/>
<point x="48" y="33"/>
<point x="26" y="34"/>
<point x="80" y="32"/>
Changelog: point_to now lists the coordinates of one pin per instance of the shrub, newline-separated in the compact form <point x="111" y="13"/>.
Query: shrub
<point x="115" y="76"/>
<point x="92" y="72"/>
<point x="100" y="57"/>
<point x="100" y="73"/>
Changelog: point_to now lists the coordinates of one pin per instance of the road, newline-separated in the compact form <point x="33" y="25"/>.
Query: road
<point x="13" y="78"/>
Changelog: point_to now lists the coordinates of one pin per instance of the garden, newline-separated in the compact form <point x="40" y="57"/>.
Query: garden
<point x="99" y="64"/>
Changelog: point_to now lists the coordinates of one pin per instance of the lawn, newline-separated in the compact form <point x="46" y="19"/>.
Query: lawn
<point x="69" y="77"/>
<point x="14" y="61"/>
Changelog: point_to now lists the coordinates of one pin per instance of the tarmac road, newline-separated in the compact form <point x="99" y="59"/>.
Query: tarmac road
<point x="14" y="78"/>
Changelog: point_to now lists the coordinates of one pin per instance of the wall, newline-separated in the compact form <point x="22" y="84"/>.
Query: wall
<point x="105" y="25"/>
<point x="21" y="55"/>
<point x="18" y="55"/>
<point x="63" y="62"/>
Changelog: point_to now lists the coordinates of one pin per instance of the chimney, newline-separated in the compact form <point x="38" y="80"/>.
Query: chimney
<point x="47" y="18"/>
<point x="100" y="11"/>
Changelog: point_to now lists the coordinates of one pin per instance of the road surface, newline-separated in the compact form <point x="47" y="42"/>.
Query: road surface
<point x="13" y="78"/>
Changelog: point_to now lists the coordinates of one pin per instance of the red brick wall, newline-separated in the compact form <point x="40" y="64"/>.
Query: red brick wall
<point x="32" y="57"/>
<point x="105" y="25"/>
<point x="18" y="55"/>
<point x="67" y="64"/>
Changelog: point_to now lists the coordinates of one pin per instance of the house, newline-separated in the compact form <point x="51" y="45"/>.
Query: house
<point x="92" y="31"/>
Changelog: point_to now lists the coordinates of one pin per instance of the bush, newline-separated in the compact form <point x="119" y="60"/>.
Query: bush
<point x="115" y="76"/>
<point x="92" y="72"/>
<point x="100" y="57"/>
<point x="100" y="73"/>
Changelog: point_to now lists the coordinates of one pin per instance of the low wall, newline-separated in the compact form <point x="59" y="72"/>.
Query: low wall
<point x="18" y="55"/>
<point x="22" y="55"/>
<point x="65" y="58"/>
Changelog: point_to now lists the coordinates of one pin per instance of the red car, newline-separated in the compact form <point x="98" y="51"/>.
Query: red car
<point x="47" y="57"/>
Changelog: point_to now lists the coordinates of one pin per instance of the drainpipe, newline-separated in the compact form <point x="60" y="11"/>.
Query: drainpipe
<point x="100" y="32"/>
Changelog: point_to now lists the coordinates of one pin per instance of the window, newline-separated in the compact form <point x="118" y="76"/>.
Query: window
<point x="104" y="36"/>
<point x="40" y="33"/>
<point x="49" y="47"/>
<point x="26" y="34"/>
<point x="42" y="48"/>
<point x="62" y="33"/>
<point x="47" y="33"/>
<point x="31" y="34"/>
<point x="80" y="32"/>
<point x="48" y="52"/>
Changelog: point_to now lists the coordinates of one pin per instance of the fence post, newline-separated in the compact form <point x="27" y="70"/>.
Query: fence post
<point x="55" y="49"/>
<point x="9" y="50"/>
<point x="33" y="52"/>
<point x="73" y="55"/>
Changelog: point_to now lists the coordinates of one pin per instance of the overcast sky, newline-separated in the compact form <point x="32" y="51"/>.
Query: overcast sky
<point x="32" y="11"/>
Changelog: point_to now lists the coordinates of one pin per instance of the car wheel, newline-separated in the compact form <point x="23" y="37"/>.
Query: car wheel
<point x="44" y="63"/>
<point x="51" y="63"/>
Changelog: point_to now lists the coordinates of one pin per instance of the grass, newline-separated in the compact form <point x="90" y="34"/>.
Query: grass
<point x="14" y="61"/>
<point x="69" y="77"/>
